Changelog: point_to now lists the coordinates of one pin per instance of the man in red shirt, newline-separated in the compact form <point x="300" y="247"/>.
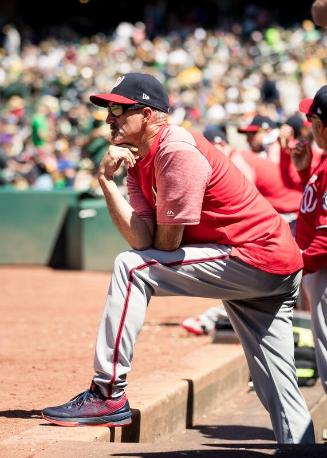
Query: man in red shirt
<point x="197" y="227"/>
<point x="262" y="135"/>
<point x="311" y="230"/>
<point x="267" y="177"/>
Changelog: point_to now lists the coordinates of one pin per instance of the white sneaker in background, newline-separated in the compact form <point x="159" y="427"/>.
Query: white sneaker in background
<point x="204" y="324"/>
<point x="195" y="326"/>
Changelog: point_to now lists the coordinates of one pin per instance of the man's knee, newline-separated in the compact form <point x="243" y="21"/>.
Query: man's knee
<point x="128" y="261"/>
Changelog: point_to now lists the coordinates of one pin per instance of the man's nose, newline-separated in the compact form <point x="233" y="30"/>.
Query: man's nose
<point x="110" y="118"/>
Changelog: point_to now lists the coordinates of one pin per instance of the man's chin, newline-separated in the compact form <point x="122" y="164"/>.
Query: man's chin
<point x="115" y="140"/>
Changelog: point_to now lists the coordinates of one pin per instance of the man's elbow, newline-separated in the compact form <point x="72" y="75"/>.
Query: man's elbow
<point x="141" y="246"/>
<point x="166" y="246"/>
<point x="168" y="238"/>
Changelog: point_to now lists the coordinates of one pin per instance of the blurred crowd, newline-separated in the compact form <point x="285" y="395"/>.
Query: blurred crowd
<point x="51" y="137"/>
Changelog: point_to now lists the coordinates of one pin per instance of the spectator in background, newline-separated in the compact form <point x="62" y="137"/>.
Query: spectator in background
<point x="12" y="40"/>
<point x="97" y="142"/>
<point x="212" y="76"/>
<point x="319" y="12"/>
<point x="269" y="92"/>
<point x="42" y="126"/>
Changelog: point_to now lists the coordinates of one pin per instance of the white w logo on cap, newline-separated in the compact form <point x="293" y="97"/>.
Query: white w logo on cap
<point x="119" y="80"/>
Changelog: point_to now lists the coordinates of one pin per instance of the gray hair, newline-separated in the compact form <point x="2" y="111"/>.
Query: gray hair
<point x="160" y="115"/>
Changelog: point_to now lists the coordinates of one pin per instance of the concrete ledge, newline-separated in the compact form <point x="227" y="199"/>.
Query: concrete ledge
<point x="173" y="402"/>
<point x="170" y="402"/>
<point x="159" y="408"/>
<point x="163" y="402"/>
<point x="220" y="372"/>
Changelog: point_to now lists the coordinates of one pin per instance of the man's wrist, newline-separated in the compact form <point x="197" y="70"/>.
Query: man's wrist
<point x="105" y="179"/>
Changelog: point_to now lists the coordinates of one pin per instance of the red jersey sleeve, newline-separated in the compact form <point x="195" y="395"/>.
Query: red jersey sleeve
<point x="315" y="256"/>
<point x="314" y="206"/>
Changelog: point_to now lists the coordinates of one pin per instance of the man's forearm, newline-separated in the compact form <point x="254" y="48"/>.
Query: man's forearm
<point x="168" y="237"/>
<point x="136" y="231"/>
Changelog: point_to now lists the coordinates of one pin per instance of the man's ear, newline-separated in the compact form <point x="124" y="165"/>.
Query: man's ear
<point x="319" y="125"/>
<point x="147" y="113"/>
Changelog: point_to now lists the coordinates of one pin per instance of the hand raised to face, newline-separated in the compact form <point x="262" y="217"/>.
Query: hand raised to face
<point x="117" y="155"/>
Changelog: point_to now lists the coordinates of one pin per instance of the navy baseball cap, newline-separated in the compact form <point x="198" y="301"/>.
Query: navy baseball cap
<point x="257" y="123"/>
<point x="317" y="105"/>
<point x="135" y="88"/>
<point x="215" y="134"/>
<point x="297" y="123"/>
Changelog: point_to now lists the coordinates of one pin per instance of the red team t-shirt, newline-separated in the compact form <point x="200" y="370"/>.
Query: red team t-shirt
<point x="311" y="227"/>
<point x="185" y="180"/>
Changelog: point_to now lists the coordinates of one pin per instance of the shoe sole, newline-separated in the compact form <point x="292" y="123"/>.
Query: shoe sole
<point x="93" y="421"/>
<point x="193" y="330"/>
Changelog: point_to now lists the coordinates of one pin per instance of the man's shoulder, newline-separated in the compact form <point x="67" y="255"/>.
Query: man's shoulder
<point x="176" y="134"/>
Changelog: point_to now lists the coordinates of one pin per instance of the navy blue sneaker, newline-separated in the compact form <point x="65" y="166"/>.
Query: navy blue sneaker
<point x="90" y="408"/>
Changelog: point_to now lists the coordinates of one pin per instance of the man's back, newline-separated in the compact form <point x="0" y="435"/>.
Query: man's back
<point x="187" y="181"/>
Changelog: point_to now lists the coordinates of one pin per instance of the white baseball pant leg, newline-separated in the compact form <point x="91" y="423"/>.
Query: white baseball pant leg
<point x="259" y="305"/>
<point x="315" y="287"/>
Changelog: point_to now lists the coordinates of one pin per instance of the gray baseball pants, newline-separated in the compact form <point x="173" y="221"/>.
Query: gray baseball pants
<point x="315" y="287"/>
<point x="259" y="306"/>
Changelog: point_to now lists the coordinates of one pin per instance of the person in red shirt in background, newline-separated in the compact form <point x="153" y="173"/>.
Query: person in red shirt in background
<point x="311" y="230"/>
<point x="291" y="132"/>
<point x="262" y="137"/>
<point x="261" y="167"/>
